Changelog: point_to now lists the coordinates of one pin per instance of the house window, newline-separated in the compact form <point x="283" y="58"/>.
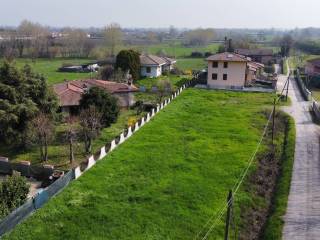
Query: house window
<point x="214" y="64"/>
<point x="148" y="69"/>
<point x="225" y="76"/>
<point x="214" y="76"/>
<point x="225" y="64"/>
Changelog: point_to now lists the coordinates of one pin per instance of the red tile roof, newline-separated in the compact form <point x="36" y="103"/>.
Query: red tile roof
<point x="152" y="60"/>
<point x="70" y="93"/>
<point x="228" y="57"/>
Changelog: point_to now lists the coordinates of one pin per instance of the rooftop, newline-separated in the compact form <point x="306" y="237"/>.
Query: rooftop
<point x="70" y="93"/>
<point x="228" y="57"/>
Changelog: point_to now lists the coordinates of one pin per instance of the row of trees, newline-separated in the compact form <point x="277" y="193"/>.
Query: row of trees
<point x="34" y="40"/>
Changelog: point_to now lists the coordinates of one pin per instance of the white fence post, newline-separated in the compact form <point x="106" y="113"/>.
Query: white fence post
<point x="121" y="138"/>
<point x="77" y="173"/>
<point x="91" y="162"/>
<point x="113" y="145"/>
<point x="102" y="152"/>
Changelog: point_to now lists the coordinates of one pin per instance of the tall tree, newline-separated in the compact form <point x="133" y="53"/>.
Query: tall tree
<point x="90" y="122"/>
<point x="129" y="60"/>
<point x="104" y="102"/>
<point x="22" y="95"/>
<point x="285" y="44"/>
<point x="37" y="35"/>
<point x="41" y="131"/>
<point x="71" y="135"/>
<point x="113" y="36"/>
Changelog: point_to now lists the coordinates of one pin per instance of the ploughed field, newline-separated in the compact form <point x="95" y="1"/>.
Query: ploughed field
<point x="167" y="180"/>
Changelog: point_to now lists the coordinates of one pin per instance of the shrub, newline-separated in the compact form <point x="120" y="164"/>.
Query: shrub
<point x="176" y="71"/>
<point x="207" y="54"/>
<point x="13" y="191"/>
<point x="196" y="54"/>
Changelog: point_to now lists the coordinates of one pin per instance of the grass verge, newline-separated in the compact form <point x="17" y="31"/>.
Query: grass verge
<point x="274" y="226"/>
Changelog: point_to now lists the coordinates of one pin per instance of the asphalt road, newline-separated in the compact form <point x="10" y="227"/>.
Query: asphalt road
<point x="302" y="219"/>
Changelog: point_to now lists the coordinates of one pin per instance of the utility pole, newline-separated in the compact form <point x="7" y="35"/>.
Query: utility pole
<point x="229" y="202"/>
<point x="273" y="117"/>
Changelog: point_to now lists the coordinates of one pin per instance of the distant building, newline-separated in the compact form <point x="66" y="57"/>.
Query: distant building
<point x="70" y="93"/>
<point x="312" y="67"/>
<point x="153" y="66"/>
<point x="261" y="55"/>
<point x="231" y="70"/>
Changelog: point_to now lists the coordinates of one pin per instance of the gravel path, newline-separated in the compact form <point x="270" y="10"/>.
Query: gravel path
<point x="302" y="220"/>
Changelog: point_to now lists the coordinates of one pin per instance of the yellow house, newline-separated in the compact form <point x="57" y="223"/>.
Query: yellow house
<point x="231" y="70"/>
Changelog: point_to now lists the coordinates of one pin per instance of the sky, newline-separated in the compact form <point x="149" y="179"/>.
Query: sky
<point x="284" y="14"/>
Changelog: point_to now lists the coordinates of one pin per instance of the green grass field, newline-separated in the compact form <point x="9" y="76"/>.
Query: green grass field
<point x="49" y="68"/>
<point x="165" y="181"/>
<point x="191" y="63"/>
<point x="176" y="50"/>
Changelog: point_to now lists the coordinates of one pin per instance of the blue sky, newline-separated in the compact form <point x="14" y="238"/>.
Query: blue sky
<point x="163" y="13"/>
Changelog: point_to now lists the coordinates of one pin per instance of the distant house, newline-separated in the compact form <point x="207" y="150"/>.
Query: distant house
<point x="231" y="70"/>
<point x="312" y="67"/>
<point x="261" y="55"/>
<point x="70" y="93"/>
<point x="153" y="66"/>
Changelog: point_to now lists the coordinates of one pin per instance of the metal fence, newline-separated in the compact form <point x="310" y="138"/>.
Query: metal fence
<point x="34" y="203"/>
<point x="304" y="90"/>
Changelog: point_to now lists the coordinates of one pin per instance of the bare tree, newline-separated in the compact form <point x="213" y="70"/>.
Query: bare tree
<point x="199" y="37"/>
<point x="164" y="87"/>
<point x="76" y="43"/>
<point x="90" y="122"/>
<point x="71" y="135"/>
<point x="41" y="130"/>
<point x="113" y="36"/>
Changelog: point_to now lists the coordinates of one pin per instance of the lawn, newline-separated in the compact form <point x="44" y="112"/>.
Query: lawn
<point x="191" y="63"/>
<point x="165" y="181"/>
<point x="58" y="150"/>
<point x="49" y="68"/>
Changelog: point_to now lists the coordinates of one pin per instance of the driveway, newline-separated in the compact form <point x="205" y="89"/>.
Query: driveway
<point x="302" y="219"/>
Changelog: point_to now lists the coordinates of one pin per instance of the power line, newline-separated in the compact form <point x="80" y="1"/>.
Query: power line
<point x="236" y="186"/>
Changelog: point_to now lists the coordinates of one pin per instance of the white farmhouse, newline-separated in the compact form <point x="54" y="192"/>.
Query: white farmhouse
<point x="153" y="66"/>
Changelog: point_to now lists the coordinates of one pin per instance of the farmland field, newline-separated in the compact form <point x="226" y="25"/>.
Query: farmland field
<point x="165" y="181"/>
<point x="49" y="68"/>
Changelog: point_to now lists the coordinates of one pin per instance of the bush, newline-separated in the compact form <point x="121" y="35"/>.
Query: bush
<point x="196" y="54"/>
<point x="176" y="71"/>
<point x="13" y="193"/>
<point x="208" y="54"/>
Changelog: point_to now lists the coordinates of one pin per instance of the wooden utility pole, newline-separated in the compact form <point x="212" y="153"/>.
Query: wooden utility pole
<point x="273" y="118"/>
<point x="229" y="202"/>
